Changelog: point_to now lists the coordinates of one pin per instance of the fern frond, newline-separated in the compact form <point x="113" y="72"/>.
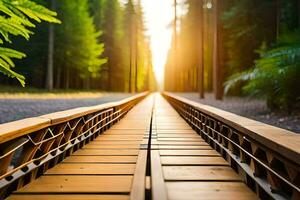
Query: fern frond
<point x="5" y="69"/>
<point x="15" y="20"/>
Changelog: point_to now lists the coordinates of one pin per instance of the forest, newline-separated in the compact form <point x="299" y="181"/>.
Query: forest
<point x="229" y="47"/>
<point x="244" y="47"/>
<point x="84" y="44"/>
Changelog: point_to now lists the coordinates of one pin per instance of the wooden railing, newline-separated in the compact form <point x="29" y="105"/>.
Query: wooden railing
<point x="267" y="157"/>
<point x="31" y="146"/>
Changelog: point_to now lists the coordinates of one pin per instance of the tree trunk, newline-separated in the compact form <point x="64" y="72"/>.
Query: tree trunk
<point x="136" y="57"/>
<point x="130" y="68"/>
<point x="86" y="83"/>
<point x="49" y="78"/>
<point x="278" y="17"/>
<point x="298" y="2"/>
<point x="175" y="74"/>
<point x="58" y="77"/>
<point x="201" y="49"/>
<point x="217" y="52"/>
<point x="131" y="57"/>
<point x="67" y="79"/>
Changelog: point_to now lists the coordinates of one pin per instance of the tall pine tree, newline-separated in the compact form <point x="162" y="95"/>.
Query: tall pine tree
<point x="77" y="47"/>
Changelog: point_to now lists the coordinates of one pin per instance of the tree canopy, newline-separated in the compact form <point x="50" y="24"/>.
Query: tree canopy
<point x="91" y="48"/>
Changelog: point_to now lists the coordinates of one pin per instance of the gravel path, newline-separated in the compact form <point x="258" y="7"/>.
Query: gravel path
<point x="251" y="108"/>
<point x="15" y="109"/>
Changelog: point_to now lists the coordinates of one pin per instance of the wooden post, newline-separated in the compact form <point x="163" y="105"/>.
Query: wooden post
<point x="217" y="51"/>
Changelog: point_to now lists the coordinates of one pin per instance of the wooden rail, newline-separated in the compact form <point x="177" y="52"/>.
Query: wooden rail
<point x="29" y="147"/>
<point x="267" y="157"/>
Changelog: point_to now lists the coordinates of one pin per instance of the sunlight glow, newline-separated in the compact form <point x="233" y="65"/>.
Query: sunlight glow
<point x="158" y="16"/>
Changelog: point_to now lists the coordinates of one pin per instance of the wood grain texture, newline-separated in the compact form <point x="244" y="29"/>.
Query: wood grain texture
<point x="189" y="152"/>
<point x="139" y="178"/>
<point x="159" y="191"/>
<point x="192" y="160"/>
<point x="178" y="147"/>
<point x="104" y="152"/>
<point x="209" y="191"/>
<point x="21" y="127"/>
<point x="100" y="159"/>
<point x="89" y="169"/>
<point x="111" y="146"/>
<point x="68" y="197"/>
<point x="79" y="184"/>
<point x="201" y="173"/>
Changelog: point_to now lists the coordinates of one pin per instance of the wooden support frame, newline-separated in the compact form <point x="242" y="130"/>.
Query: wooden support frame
<point x="267" y="156"/>
<point x="29" y="147"/>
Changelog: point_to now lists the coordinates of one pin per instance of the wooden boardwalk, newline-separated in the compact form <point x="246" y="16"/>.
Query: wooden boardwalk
<point x="184" y="166"/>
<point x="180" y="164"/>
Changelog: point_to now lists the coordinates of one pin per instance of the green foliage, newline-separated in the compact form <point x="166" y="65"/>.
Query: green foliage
<point x="16" y="19"/>
<point x="136" y="46"/>
<point x="276" y="74"/>
<point x="77" y="46"/>
<point x="108" y="19"/>
<point x="246" y="23"/>
<point x="80" y="59"/>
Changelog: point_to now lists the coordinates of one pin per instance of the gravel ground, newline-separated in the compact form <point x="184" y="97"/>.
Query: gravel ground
<point x="15" y="109"/>
<point x="251" y="108"/>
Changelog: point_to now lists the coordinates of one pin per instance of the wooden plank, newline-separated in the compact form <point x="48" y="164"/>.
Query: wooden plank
<point x="178" y="127"/>
<point x="78" y="184"/>
<point x="67" y="115"/>
<point x="124" y="132"/>
<point x="120" y="137"/>
<point x="128" y="128"/>
<point x="178" y="122"/>
<point x="22" y="127"/>
<point x="209" y="191"/>
<point x="188" y="153"/>
<point x="182" y="135"/>
<point x="192" y="160"/>
<point x="100" y="159"/>
<point x="108" y="142"/>
<point x="179" y="142"/>
<point x="201" y="173"/>
<point x="159" y="191"/>
<point x="105" y="152"/>
<point x="91" y="169"/>
<point x="139" y="178"/>
<point x="175" y="131"/>
<point x="67" y="197"/>
<point x="111" y="146"/>
<point x="178" y="147"/>
<point x="180" y="139"/>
